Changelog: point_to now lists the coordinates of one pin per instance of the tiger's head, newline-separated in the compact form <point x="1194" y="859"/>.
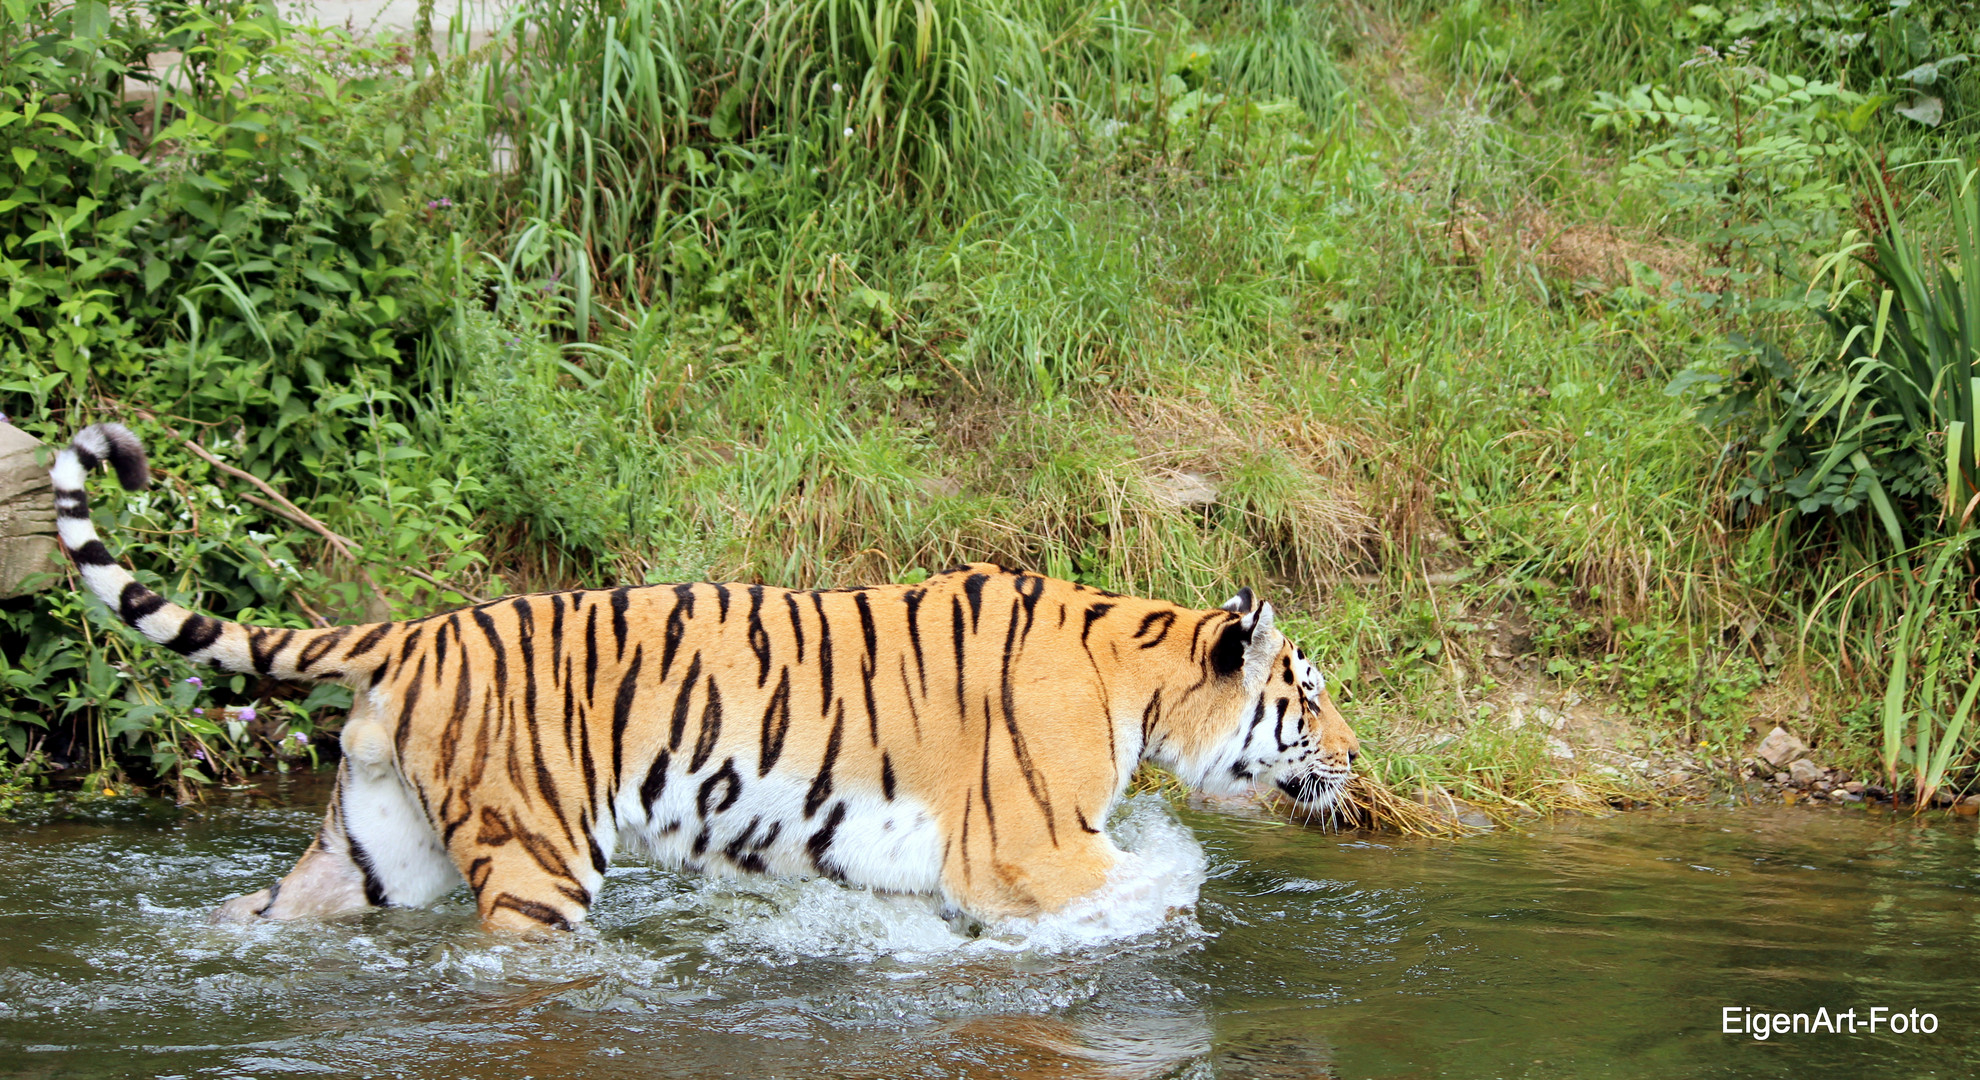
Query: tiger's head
<point x="1272" y="722"/>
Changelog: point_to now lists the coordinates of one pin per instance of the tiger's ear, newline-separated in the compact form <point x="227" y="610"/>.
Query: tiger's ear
<point x="1240" y="604"/>
<point x="1247" y="645"/>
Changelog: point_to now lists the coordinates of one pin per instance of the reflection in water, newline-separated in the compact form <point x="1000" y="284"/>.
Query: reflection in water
<point x="1588" y="947"/>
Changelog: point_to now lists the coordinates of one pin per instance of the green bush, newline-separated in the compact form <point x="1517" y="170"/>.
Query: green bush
<point x="266" y="248"/>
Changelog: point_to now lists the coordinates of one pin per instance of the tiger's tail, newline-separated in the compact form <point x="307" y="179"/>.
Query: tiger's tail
<point x="230" y="646"/>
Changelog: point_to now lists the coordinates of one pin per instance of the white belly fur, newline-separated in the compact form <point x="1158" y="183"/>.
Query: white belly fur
<point x="892" y="845"/>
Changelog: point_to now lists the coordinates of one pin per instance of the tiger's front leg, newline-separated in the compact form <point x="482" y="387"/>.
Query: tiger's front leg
<point x="526" y="872"/>
<point x="1028" y="876"/>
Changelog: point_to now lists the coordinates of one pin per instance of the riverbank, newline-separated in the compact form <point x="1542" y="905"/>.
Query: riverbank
<point x="1386" y="311"/>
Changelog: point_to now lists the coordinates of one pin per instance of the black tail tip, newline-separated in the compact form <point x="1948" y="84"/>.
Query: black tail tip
<point x="114" y="443"/>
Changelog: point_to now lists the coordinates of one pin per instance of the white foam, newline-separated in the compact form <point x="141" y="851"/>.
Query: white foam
<point x="1154" y="887"/>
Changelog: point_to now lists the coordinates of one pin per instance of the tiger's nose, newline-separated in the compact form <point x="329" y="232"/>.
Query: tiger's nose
<point x="1352" y="755"/>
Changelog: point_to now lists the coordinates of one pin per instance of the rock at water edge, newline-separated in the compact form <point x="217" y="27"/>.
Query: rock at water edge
<point x="1779" y="748"/>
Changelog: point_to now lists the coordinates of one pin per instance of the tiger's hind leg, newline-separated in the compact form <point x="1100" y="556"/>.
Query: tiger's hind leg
<point x="375" y="849"/>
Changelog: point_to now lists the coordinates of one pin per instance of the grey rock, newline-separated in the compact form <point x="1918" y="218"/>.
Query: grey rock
<point x="1804" y="772"/>
<point x="1779" y="748"/>
<point x="29" y="558"/>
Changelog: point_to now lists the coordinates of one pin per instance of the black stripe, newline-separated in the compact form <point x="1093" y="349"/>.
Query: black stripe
<point x="92" y="554"/>
<point x="570" y="707"/>
<point x="451" y="734"/>
<point x="496" y="649"/>
<point x="721" y="603"/>
<point x="1029" y="587"/>
<point x="374" y="890"/>
<point x="526" y="644"/>
<point x="1227" y="654"/>
<point x="591" y="654"/>
<point x="989" y="815"/>
<point x="797" y="624"/>
<point x="411" y="703"/>
<point x="821" y="785"/>
<point x="584" y="756"/>
<point x="955" y="611"/>
<point x="759" y="638"/>
<point x="440" y="647"/>
<point x="1039" y="793"/>
<point x="137" y="602"/>
<point x="1084" y="825"/>
<point x="1093" y="614"/>
<point x="711" y="727"/>
<point x="776" y="724"/>
<point x="405" y="651"/>
<point x="913" y="600"/>
<point x="820" y="844"/>
<point x="556" y="636"/>
<point x="620" y="598"/>
<point x="907" y="694"/>
<point x="887" y="776"/>
<point x="196" y="633"/>
<point x="622" y="709"/>
<point x="676" y="627"/>
<point x="746" y="850"/>
<point x="655" y="783"/>
<point x="867" y="664"/>
<point x="969" y="803"/>
<point x="366" y="643"/>
<point x="973" y="588"/>
<point x="274" y="892"/>
<point x="726" y="775"/>
<point x="1166" y="618"/>
<point x="678" y="726"/>
<point x="824" y="655"/>
<point x="532" y="909"/>
<point x="319" y="645"/>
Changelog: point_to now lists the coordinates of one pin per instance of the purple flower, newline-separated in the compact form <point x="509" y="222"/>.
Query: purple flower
<point x="245" y="714"/>
<point x="195" y="680"/>
<point x="3" y="418"/>
<point x="200" y="754"/>
<point x="299" y="736"/>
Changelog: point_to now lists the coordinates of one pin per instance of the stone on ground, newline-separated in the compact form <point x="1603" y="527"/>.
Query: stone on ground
<point x="1779" y="748"/>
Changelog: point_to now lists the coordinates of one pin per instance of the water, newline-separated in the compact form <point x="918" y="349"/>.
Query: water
<point x="1583" y="948"/>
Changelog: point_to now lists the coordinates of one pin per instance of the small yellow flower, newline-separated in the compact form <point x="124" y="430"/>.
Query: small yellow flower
<point x="110" y="791"/>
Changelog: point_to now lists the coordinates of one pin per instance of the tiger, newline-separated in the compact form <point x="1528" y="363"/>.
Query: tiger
<point x="965" y="736"/>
